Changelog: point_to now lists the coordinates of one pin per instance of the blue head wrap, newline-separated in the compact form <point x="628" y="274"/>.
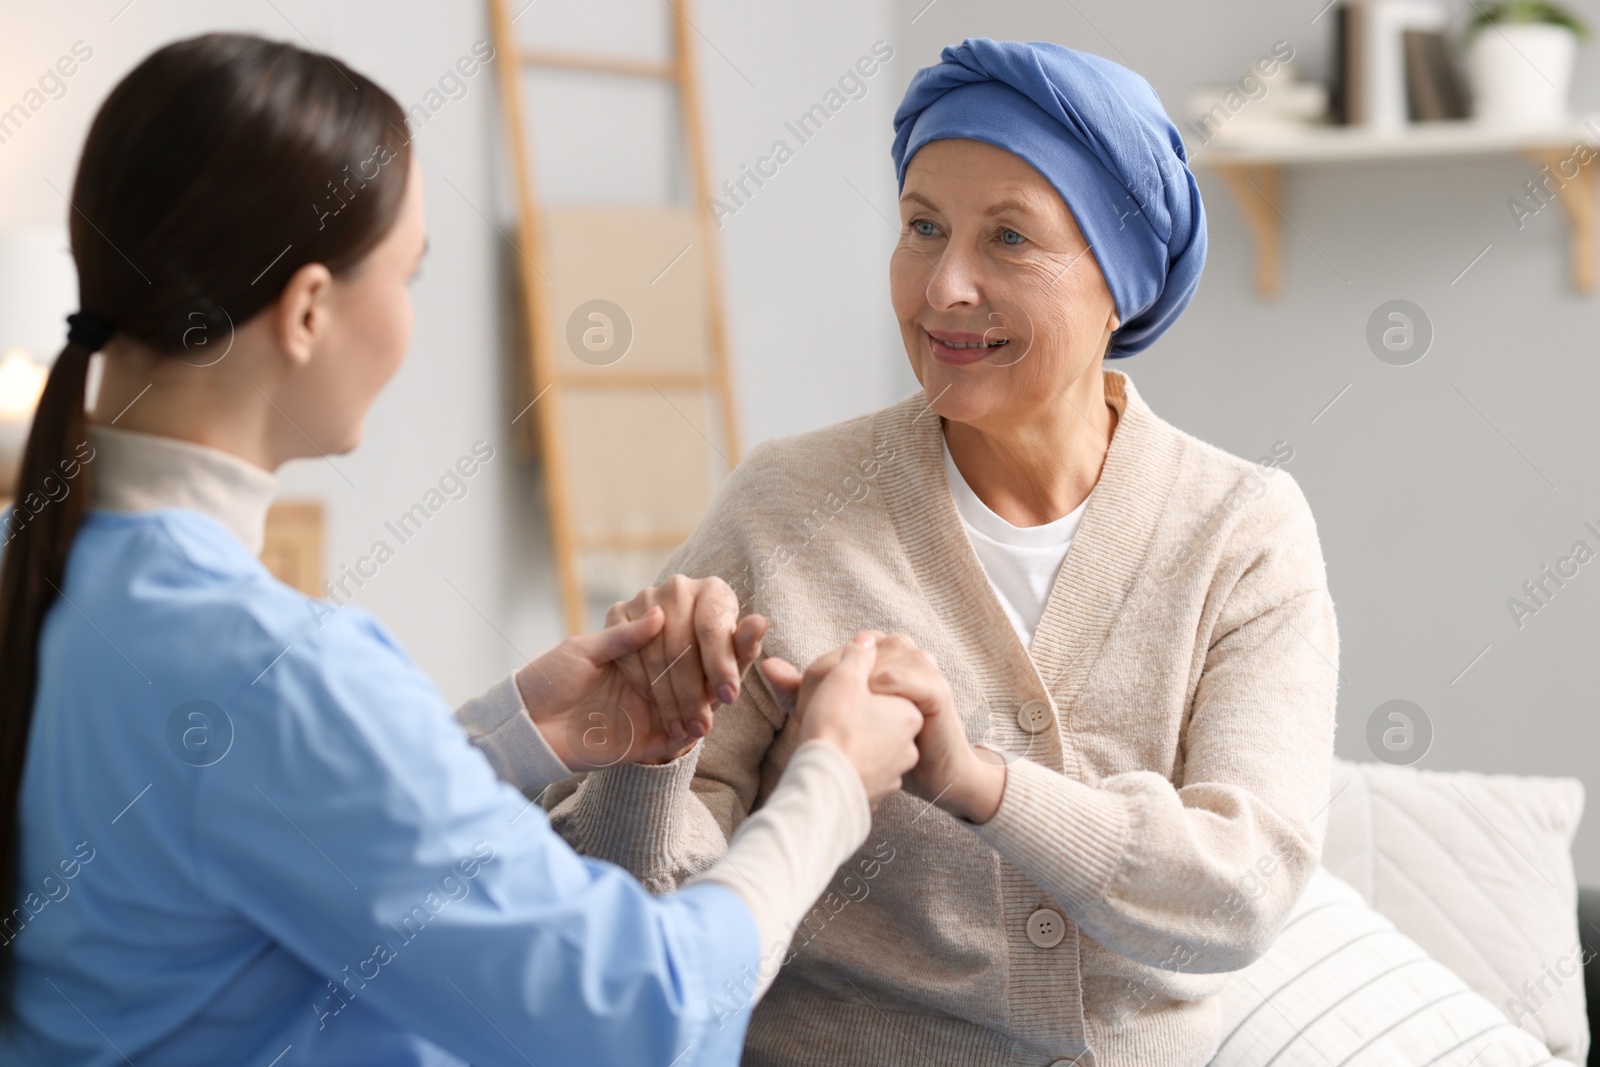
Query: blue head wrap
<point x="1098" y="133"/>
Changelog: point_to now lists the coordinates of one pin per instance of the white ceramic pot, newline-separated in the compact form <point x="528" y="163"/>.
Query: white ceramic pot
<point x="1520" y="73"/>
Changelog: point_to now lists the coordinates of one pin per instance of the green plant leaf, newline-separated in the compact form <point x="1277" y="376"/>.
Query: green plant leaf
<point x="1515" y="12"/>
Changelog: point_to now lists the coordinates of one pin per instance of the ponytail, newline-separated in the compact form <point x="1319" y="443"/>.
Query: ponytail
<point x="39" y="529"/>
<point x="214" y="170"/>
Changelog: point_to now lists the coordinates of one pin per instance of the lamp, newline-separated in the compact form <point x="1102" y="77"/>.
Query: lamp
<point x="38" y="289"/>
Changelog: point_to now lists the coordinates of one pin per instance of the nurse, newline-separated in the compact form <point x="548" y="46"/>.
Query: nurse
<point x="239" y="825"/>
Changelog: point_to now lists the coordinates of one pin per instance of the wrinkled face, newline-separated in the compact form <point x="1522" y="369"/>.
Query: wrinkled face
<point x="1001" y="304"/>
<point x="369" y="327"/>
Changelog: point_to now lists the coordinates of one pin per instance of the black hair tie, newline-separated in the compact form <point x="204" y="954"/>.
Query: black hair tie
<point x="88" y="330"/>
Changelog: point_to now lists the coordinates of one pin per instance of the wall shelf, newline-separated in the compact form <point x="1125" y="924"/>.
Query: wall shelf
<point x="1253" y="165"/>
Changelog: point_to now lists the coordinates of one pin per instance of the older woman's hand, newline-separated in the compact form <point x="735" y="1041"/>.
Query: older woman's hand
<point x="833" y="702"/>
<point x="697" y="659"/>
<point x="642" y="689"/>
<point x="950" y="772"/>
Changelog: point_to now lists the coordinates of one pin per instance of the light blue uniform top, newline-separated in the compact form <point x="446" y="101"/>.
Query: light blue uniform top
<point x="252" y="837"/>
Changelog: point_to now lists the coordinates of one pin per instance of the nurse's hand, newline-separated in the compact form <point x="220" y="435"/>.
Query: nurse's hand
<point x="833" y="702"/>
<point x="583" y="704"/>
<point x="967" y="782"/>
<point x="698" y="658"/>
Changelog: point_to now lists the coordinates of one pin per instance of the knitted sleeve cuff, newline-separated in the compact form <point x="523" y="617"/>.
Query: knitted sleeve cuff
<point x="498" y="725"/>
<point x="646" y="807"/>
<point x="1066" y="836"/>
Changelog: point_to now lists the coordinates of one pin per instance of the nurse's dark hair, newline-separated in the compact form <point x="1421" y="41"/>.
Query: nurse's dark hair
<point x="215" y="170"/>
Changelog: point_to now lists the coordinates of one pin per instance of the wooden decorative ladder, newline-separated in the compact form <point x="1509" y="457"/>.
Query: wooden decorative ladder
<point x="632" y="414"/>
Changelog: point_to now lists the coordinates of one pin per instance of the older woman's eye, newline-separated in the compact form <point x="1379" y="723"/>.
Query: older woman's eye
<point x="924" y="228"/>
<point x="1011" y="237"/>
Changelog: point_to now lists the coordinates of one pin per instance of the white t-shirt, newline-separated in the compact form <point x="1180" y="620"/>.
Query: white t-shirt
<point x="1021" y="561"/>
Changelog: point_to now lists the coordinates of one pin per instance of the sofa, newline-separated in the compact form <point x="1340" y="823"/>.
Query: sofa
<point x="1444" y="927"/>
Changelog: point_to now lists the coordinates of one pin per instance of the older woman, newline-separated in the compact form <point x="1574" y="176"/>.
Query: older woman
<point x="1128" y="742"/>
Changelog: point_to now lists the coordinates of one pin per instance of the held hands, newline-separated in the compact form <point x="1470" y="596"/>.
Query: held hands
<point x="877" y="733"/>
<point x="949" y="772"/>
<point x="642" y="690"/>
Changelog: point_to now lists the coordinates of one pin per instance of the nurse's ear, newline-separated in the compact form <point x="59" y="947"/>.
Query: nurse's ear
<point x="302" y="314"/>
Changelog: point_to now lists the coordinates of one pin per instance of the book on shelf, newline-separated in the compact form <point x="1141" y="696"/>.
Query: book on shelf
<point x="1346" y="105"/>
<point x="1383" y="75"/>
<point x="1433" y="88"/>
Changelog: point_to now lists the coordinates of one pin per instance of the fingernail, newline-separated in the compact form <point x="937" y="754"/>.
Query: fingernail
<point x="675" y="732"/>
<point x="698" y="729"/>
<point x="726" y="692"/>
<point x="863" y="638"/>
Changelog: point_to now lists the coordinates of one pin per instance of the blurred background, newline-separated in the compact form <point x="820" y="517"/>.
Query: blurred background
<point x="1450" y="454"/>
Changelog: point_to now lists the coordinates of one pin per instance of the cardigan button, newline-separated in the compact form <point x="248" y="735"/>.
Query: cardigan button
<point x="1046" y="928"/>
<point x="1034" y="716"/>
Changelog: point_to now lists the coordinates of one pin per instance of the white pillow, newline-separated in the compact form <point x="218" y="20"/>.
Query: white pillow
<point x="1341" y="987"/>
<point x="1477" y="869"/>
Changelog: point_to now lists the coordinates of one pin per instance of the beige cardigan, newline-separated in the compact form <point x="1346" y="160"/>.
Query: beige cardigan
<point x="1172" y="721"/>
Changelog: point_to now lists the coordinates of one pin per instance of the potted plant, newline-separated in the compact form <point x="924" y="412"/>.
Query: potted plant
<point x="1519" y="61"/>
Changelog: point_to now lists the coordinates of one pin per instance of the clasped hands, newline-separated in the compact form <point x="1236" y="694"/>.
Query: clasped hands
<point x="644" y="690"/>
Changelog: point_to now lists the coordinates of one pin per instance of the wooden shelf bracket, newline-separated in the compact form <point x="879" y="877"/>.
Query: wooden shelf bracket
<point x="1577" y="196"/>
<point x="1257" y="188"/>
<point x="1253" y="163"/>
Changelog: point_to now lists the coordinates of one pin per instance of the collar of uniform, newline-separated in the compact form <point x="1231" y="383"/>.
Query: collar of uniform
<point x="144" y="472"/>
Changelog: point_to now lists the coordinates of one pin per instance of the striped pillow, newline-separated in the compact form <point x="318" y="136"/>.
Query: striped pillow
<point x="1341" y="987"/>
<point x="1477" y="869"/>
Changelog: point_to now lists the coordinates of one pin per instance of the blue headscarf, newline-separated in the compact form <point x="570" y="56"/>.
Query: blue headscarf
<point x="1098" y="133"/>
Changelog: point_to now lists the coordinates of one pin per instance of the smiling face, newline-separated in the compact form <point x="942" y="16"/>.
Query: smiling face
<point x="1001" y="304"/>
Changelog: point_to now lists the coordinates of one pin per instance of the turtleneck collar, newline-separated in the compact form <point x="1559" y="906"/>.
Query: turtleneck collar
<point x="143" y="472"/>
